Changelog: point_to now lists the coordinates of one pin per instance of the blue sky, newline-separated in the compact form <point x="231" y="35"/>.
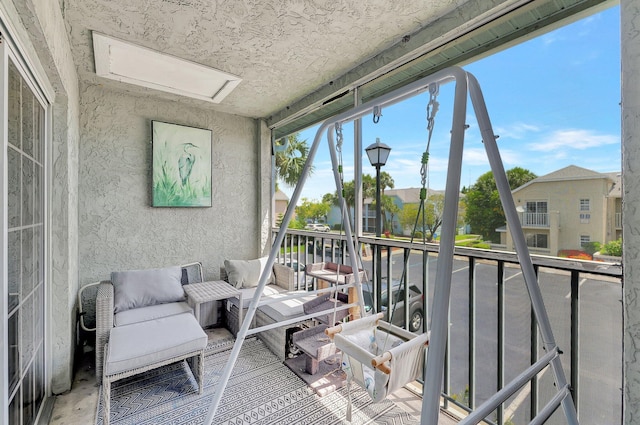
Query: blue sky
<point x="553" y="100"/>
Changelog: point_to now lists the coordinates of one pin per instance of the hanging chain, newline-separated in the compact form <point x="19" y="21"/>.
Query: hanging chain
<point x="339" y="141"/>
<point x="432" y="110"/>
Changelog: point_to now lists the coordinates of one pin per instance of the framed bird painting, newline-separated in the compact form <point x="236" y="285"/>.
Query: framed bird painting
<point x="181" y="165"/>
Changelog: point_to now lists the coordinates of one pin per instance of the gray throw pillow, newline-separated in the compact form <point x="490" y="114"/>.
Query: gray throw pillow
<point x="142" y="288"/>
<point x="245" y="273"/>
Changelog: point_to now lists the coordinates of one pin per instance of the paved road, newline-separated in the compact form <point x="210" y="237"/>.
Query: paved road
<point x="600" y="335"/>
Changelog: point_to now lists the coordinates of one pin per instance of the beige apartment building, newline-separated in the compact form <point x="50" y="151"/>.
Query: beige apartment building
<point x="281" y="201"/>
<point x="567" y="208"/>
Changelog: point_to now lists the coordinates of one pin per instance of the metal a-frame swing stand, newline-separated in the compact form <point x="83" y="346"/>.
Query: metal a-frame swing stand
<point x="465" y="84"/>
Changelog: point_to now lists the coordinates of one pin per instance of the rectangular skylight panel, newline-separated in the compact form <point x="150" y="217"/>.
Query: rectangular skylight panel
<point x="133" y="64"/>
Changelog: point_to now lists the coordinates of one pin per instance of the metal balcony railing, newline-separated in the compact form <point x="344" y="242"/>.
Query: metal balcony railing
<point x="535" y="219"/>
<point x="493" y="336"/>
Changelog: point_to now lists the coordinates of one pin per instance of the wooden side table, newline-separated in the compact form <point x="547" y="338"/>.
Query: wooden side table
<point x="215" y="290"/>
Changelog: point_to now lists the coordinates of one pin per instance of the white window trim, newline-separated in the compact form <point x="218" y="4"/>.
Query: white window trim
<point x="588" y="204"/>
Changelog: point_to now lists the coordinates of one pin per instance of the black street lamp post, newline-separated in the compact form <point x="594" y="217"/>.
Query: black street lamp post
<point x="378" y="154"/>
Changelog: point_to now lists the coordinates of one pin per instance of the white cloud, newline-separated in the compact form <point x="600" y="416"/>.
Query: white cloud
<point x="517" y="130"/>
<point x="478" y="156"/>
<point x="574" y="139"/>
<point x="475" y="156"/>
<point x="551" y="38"/>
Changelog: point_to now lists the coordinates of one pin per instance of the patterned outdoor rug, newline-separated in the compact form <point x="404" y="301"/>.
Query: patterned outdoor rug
<point x="261" y="391"/>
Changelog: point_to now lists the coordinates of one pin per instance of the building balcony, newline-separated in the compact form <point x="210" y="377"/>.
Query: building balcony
<point x="534" y="219"/>
<point x="492" y="334"/>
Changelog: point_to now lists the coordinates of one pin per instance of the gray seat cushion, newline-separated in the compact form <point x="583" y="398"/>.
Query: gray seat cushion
<point x="249" y="293"/>
<point x="146" y="343"/>
<point x="285" y="309"/>
<point x="153" y="312"/>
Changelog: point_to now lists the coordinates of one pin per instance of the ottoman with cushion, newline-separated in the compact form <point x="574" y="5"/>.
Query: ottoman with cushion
<point x="147" y="345"/>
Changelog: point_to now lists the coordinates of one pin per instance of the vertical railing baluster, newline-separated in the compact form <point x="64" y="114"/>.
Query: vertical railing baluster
<point x="377" y="278"/>
<point x="501" y="316"/>
<point x="389" y="282"/>
<point x="472" y="333"/>
<point x="406" y="252"/>
<point x="534" y="358"/>
<point x="575" y="337"/>
<point x="425" y="289"/>
<point x="446" y="378"/>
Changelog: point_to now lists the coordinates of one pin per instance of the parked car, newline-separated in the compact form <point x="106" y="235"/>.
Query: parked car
<point x="416" y="314"/>
<point x="318" y="227"/>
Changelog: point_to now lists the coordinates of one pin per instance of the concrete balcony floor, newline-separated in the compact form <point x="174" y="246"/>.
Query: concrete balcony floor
<point x="78" y="406"/>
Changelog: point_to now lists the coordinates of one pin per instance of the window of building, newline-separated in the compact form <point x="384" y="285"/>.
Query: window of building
<point x="584" y="239"/>
<point x="537" y="207"/>
<point x="585" y="205"/>
<point x="537" y="240"/>
<point x="536" y="214"/>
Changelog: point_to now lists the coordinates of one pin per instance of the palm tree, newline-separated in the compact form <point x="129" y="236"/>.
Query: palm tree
<point x="386" y="181"/>
<point x="389" y="207"/>
<point x="290" y="161"/>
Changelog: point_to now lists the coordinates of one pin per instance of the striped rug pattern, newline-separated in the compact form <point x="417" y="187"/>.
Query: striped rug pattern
<point x="261" y="391"/>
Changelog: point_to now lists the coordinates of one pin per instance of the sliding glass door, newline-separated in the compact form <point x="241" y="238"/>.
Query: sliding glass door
<point x="24" y="163"/>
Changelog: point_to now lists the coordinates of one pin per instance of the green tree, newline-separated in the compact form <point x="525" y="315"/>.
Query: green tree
<point x="484" y="210"/>
<point x="349" y="193"/>
<point x="613" y="248"/>
<point x="290" y="161"/>
<point x="369" y="186"/>
<point x="387" y="207"/>
<point x="407" y="216"/>
<point x="311" y="210"/>
<point x="433" y="209"/>
<point x="386" y="182"/>
<point x="391" y="208"/>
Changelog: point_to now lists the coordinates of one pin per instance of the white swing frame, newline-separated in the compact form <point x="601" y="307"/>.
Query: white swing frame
<point x="465" y="84"/>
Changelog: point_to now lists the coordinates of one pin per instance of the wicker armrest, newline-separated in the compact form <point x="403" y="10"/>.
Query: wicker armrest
<point x="284" y="276"/>
<point x="104" y="323"/>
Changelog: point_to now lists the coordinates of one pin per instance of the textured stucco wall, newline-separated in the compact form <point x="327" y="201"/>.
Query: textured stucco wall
<point x="630" y="29"/>
<point x="118" y="227"/>
<point x="40" y="29"/>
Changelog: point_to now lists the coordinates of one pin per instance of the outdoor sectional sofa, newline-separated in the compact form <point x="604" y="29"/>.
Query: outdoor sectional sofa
<point x="244" y="275"/>
<point x="143" y="322"/>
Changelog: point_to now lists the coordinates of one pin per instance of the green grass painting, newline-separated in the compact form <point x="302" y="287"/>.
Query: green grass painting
<point x="181" y="166"/>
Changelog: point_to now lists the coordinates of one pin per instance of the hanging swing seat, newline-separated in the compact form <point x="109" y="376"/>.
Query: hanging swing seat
<point x="333" y="273"/>
<point x="329" y="273"/>
<point x="315" y="346"/>
<point x="378" y="356"/>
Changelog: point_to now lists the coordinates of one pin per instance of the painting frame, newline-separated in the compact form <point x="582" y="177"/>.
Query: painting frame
<point x="181" y="166"/>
